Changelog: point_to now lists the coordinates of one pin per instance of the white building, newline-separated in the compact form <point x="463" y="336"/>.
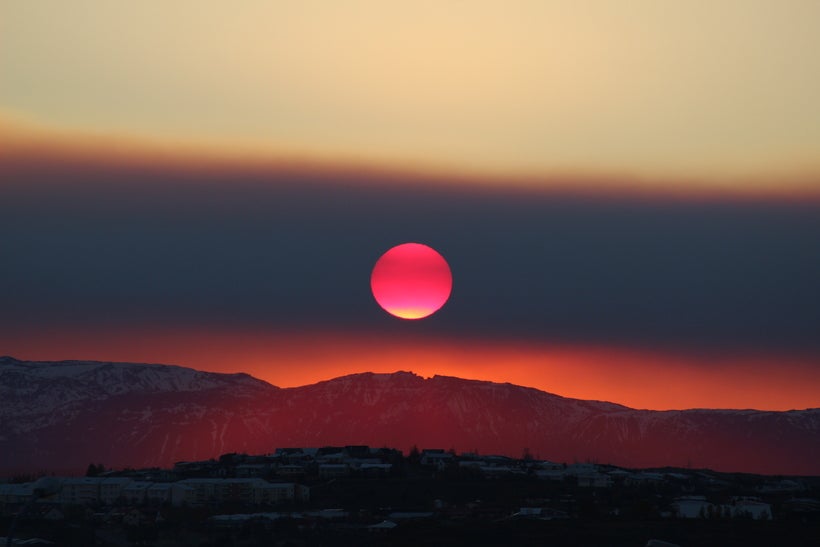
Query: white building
<point x="91" y="490"/>
<point x="594" y="480"/>
<point x="551" y="474"/>
<point x="333" y="470"/>
<point x="243" y="490"/>
<point x="182" y="494"/>
<point x="80" y="490"/>
<point x="16" y="493"/>
<point x="112" y="488"/>
<point x="692" y="507"/>
<point x="158" y="492"/>
<point x="136" y="491"/>
<point x="751" y="508"/>
<point x="274" y="493"/>
<point x="697" y="507"/>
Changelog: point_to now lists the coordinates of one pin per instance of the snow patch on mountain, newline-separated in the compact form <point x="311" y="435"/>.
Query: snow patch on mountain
<point x="145" y="415"/>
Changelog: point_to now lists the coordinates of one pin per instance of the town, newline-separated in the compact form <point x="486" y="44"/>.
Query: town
<point x="363" y="495"/>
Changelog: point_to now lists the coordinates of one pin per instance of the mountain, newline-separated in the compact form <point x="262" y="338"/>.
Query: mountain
<point x="63" y="415"/>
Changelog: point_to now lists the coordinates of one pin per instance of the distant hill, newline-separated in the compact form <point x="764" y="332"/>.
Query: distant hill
<point x="64" y="415"/>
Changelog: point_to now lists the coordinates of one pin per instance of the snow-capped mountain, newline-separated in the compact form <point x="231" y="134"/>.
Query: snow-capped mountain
<point x="64" y="415"/>
<point x="35" y="394"/>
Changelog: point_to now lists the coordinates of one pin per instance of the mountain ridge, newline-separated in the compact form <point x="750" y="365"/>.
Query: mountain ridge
<point x="10" y="359"/>
<point x="131" y="414"/>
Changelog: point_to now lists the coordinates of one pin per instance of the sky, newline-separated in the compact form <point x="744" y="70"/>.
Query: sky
<point x="628" y="195"/>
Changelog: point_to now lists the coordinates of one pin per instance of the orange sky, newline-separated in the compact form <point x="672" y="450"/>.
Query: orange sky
<point x="654" y="379"/>
<point x="662" y="90"/>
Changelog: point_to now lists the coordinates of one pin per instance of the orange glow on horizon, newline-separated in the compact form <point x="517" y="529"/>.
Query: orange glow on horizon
<point x="638" y="378"/>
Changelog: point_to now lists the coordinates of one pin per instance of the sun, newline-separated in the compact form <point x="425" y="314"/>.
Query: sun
<point x="411" y="281"/>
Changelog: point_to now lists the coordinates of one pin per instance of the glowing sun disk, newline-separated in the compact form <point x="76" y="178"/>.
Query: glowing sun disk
<point x="411" y="281"/>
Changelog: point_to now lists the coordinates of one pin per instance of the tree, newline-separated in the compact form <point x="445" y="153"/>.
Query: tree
<point x="94" y="470"/>
<point x="415" y="455"/>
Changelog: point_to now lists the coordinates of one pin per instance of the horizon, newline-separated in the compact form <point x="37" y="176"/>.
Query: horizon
<point x="386" y="373"/>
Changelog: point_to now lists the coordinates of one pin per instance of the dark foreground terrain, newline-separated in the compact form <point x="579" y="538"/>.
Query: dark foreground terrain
<point x="582" y="532"/>
<point x="435" y="498"/>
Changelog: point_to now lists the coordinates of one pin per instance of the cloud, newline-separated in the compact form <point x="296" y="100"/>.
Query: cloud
<point x="94" y="242"/>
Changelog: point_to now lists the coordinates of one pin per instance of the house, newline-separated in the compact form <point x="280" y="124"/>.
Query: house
<point x="645" y="477"/>
<point x="551" y="474"/>
<point x="290" y="471"/>
<point x="333" y="470"/>
<point x="111" y="488"/>
<point x="375" y="469"/>
<point x="274" y="493"/>
<point x="751" y="508"/>
<point x="594" y="480"/>
<point x="249" y="490"/>
<point x="359" y="451"/>
<point x="202" y="490"/>
<point x="237" y="490"/>
<point x="620" y="476"/>
<point x="691" y="507"/>
<point x="298" y="456"/>
<point x="80" y="490"/>
<point x="803" y="508"/>
<point x="158" y="493"/>
<point x="331" y="457"/>
<point x="182" y="495"/>
<point x="16" y="493"/>
<point x="576" y="469"/>
<point x="136" y="491"/>
<point x="251" y="470"/>
<point x="782" y="486"/>
<point x="500" y="471"/>
<point x="435" y="457"/>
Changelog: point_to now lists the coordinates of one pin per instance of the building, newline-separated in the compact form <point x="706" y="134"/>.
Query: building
<point x="136" y="491"/>
<point x="80" y="490"/>
<point x="158" y="493"/>
<point x="691" y="507"/>
<point x="16" y="493"/>
<point x="112" y="489"/>
<point x="252" y="491"/>
<point x="333" y="470"/>
<point x="594" y="480"/>
<point x="751" y="508"/>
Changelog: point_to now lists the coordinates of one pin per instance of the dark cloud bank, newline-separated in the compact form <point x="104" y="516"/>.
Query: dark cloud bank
<point x="107" y="246"/>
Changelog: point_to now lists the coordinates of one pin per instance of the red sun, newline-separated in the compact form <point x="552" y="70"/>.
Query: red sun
<point x="411" y="281"/>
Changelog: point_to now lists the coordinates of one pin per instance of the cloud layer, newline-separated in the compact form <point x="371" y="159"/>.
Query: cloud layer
<point x="90" y="243"/>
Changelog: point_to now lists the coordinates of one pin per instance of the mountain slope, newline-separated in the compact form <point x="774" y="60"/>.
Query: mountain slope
<point x="67" y="414"/>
